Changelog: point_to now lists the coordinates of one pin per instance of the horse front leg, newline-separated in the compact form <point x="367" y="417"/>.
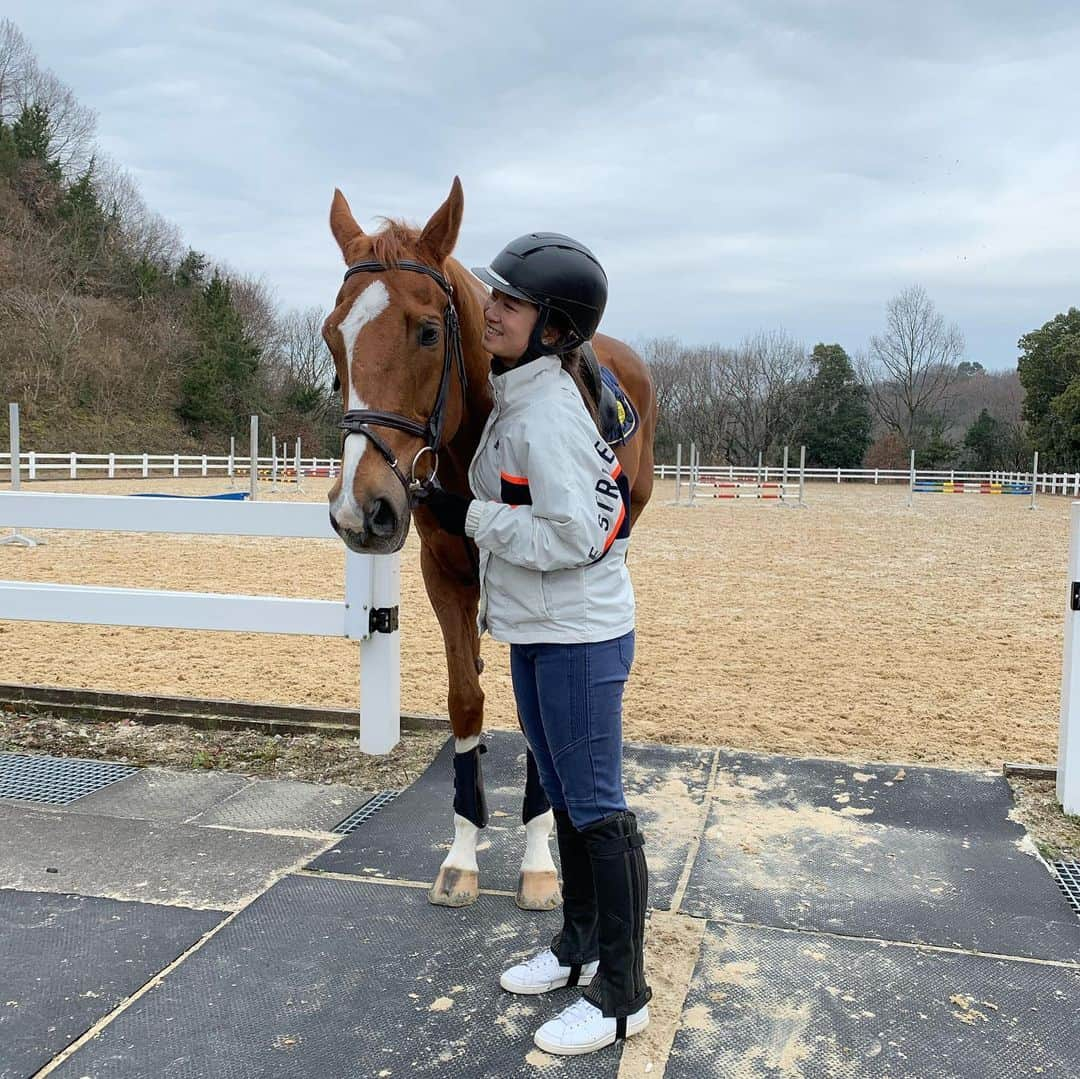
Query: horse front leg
<point x="538" y="882"/>
<point x="454" y="597"/>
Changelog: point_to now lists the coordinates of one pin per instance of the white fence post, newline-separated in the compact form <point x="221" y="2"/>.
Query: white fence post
<point x="1068" y="763"/>
<point x="145" y="465"/>
<point x="911" y="481"/>
<point x="13" y="439"/>
<point x="176" y="464"/>
<point x="1034" y="479"/>
<point x="678" y="471"/>
<point x="253" y="460"/>
<point x="112" y="466"/>
<point x="380" y="661"/>
<point x="74" y="467"/>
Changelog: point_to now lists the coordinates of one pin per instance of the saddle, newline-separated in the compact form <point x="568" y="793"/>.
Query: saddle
<point x="618" y="417"/>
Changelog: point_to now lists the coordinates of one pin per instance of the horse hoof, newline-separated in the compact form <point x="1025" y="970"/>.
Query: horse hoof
<point x="455" y="887"/>
<point x="538" y="889"/>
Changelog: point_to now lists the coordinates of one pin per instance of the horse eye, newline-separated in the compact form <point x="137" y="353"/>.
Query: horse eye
<point x="429" y="335"/>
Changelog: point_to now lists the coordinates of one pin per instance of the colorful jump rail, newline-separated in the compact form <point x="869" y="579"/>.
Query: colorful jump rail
<point x="961" y="487"/>
<point x="767" y="491"/>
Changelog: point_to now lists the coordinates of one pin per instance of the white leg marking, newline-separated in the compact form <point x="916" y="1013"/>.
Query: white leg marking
<point x="537" y="846"/>
<point x="367" y="307"/>
<point x="462" y="854"/>
<point x="463" y="745"/>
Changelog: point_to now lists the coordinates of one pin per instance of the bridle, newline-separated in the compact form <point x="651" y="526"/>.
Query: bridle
<point x="357" y="421"/>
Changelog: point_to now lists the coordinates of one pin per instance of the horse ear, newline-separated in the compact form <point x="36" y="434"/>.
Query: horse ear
<point x="343" y="225"/>
<point x="441" y="232"/>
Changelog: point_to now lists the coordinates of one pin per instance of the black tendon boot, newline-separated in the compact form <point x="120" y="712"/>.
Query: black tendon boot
<point x="576" y="943"/>
<point x="621" y="878"/>
<point x="469" y="801"/>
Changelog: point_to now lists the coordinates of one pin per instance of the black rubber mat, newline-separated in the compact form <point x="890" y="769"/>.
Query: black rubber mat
<point x="328" y="979"/>
<point x="408" y="839"/>
<point x="911" y="854"/>
<point x="770" y="1004"/>
<point x="67" y="961"/>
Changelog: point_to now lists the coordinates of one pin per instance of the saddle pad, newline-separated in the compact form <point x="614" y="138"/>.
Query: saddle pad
<point x="620" y="432"/>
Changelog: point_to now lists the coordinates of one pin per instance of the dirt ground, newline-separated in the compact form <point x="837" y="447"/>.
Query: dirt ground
<point x="855" y="627"/>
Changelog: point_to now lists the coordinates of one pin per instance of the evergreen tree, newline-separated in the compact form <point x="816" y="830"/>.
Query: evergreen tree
<point x="985" y="442"/>
<point x="192" y="270"/>
<point x="836" y="431"/>
<point x="9" y="154"/>
<point x="30" y="134"/>
<point x="1049" y="368"/>
<point x="86" y="220"/>
<point x="219" y="389"/>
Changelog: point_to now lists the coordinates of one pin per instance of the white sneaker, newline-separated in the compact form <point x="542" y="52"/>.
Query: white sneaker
<point x="543" y="973"/>
<point x="583" y="1028"/>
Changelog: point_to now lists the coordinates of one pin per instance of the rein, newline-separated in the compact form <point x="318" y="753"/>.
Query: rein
<point x="358" y="421"/>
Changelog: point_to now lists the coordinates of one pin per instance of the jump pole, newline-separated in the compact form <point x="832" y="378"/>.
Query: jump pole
<point x="783" y="477"/>
<point x="1034" y="479"/>
<point x="16" y="539"/>
<point x="253" y="471"/>
<point x="693" y="473"/>
<point x="802" y="472"/>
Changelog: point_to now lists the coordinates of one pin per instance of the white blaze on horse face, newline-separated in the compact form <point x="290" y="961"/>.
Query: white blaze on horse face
<point x="367" y="307"/>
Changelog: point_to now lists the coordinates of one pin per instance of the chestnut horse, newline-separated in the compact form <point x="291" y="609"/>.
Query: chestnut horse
<point x="406" y="336"/>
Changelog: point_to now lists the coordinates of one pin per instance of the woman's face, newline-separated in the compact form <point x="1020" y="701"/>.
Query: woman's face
<point x="508" y="323"/>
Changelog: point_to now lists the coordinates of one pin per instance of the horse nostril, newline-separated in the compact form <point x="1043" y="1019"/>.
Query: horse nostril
<point x="381" y="518"/>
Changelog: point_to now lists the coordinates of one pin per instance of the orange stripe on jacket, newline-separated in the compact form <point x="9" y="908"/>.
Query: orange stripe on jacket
<point x="513" y="479"/>
<point x="618" y="524"/>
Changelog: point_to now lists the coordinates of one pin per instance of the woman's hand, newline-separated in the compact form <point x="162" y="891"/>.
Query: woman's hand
<point x="447" y="508"/>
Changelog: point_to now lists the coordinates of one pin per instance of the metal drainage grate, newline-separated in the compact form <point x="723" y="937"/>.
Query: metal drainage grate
<point x="1068" y="878"/>
<point x="55" y="780"/>
<point x="368" y="809"/>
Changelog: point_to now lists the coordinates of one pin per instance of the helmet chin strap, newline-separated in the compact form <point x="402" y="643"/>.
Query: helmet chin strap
<point x="537" y="347"/>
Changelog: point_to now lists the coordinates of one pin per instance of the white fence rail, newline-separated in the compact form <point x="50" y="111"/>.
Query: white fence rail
<point x="1051" y="483"/>
<point x="368" y="612"/>
<point x="83" y="466"/>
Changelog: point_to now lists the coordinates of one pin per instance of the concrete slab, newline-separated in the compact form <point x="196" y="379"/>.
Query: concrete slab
<point x="160" y="794"/>
<point x="44" y="850"/>
<point x="279" y="804"/>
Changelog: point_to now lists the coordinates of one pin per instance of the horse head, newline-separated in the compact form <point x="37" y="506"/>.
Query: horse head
<point x="395" y="338"/>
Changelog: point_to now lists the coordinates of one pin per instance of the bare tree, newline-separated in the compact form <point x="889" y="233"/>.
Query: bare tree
<point x="23" y="82"/>
<point x="912" y="366"/>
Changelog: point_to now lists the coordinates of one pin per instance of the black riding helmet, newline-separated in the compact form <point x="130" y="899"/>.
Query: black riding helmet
<point x="558" y="274"/>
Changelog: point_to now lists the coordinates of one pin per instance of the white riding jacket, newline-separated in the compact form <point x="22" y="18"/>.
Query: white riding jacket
<point x="551" y="515"/>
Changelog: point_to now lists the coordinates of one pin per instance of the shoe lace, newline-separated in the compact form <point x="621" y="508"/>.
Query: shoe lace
<point x="544" y="960"/>
<point x="580" y="1012"/>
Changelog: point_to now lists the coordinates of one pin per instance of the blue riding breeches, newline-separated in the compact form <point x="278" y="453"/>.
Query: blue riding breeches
<point x="569" y="699"/>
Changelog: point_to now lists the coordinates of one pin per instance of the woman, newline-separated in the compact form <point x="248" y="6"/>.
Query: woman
<point x="550" y="519"/>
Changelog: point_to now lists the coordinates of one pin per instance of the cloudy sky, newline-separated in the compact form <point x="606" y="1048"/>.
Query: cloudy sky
<point x="735" y="165"/>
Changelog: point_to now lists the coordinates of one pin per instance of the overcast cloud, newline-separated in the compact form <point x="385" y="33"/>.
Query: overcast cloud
<point x="736" y="166"/>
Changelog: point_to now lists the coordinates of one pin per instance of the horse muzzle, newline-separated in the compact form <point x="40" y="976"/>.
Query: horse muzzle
<point x="380" y="526"/>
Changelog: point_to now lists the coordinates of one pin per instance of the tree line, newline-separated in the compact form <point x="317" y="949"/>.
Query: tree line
<point x="910" y="390"/>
